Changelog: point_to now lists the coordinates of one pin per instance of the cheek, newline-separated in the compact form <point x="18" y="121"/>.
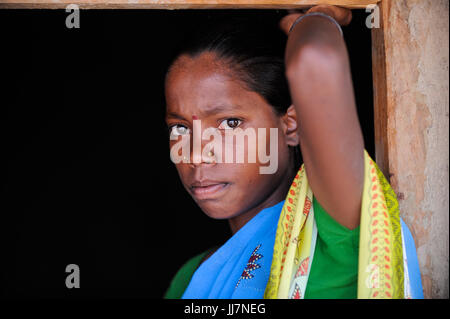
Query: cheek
<point x="251" y="187"/>
<point x="242" y="149"/>
<point x="283" y="150"/>
<point x="251" y="145"/>
<point x="249" y="184"/>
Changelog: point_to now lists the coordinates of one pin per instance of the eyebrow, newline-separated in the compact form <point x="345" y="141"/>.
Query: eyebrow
<point x="173" y="115"/>
<point x="210" y="111"/>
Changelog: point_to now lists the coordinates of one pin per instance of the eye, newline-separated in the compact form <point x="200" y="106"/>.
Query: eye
<point x="178" y="130"/>
<point x="228" y="124"/>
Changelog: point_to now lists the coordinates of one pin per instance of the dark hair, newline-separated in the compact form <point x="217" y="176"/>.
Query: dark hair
<point x="253" y="50"/>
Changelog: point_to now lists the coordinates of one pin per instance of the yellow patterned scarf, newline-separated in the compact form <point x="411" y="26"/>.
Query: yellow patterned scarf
<point x="381" y="260"/>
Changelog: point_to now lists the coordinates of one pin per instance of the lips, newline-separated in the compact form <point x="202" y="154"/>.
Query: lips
<point x="208" y="189"/>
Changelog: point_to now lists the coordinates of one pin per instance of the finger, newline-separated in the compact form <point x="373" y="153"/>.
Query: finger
<point x="287" y="21"/>
<point x="303" y="10"/>
<point x="342" y="15"/>
<point x="348" y="18"/>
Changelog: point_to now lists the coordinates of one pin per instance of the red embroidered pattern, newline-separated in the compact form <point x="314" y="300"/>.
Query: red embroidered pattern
<point x="251" y="265"/>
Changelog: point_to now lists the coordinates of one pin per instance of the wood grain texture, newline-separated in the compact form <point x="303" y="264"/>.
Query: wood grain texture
<point x="180" y="4"/>
<point x="382" y="105"/>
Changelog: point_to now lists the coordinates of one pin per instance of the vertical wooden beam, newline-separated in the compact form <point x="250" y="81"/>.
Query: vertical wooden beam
<point x="381" y="102"/>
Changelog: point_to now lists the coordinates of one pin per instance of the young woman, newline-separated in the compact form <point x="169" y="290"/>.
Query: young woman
<point x="328" y="230"/>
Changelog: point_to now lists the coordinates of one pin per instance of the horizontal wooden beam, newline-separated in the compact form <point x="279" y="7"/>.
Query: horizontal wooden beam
<point x="180" y="4"/>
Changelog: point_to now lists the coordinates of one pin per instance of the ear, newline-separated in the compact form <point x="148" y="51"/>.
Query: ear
<point x="290" y="128"/>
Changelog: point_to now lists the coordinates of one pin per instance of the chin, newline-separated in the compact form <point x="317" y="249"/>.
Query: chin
<point x="218" y="210"/>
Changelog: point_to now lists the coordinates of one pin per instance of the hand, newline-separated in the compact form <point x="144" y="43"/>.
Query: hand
<point x="342" y="15"/>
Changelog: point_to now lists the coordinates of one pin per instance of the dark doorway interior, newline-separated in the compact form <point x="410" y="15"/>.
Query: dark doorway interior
<point x="88" y="177"/>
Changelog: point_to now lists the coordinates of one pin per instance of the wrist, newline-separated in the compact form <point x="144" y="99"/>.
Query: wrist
<point x="325" y="10"/>
<point x="317" y="14"/>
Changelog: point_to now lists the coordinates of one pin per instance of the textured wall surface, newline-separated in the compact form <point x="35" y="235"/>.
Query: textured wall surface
<point x="417" y="64"/>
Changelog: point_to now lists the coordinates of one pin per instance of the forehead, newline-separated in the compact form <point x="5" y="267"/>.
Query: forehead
<point x="199" y="84"/>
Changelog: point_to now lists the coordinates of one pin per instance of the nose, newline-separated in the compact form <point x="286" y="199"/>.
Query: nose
<point x="203" y="156"/>
<point x="202" y="152"/>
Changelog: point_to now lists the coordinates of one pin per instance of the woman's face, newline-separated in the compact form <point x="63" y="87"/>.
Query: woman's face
<point x="202" y="89"/>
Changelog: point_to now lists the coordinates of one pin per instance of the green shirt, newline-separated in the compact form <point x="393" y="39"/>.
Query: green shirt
<point x="334" y="270"/>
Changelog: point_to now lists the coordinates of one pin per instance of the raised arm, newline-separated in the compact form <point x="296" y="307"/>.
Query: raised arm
<point x="319" y="77"/>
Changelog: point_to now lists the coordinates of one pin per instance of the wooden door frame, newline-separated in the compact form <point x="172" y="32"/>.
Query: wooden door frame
<point x="181" y="4"/>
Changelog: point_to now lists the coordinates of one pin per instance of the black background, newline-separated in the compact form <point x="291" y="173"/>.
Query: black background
<point x="87" y="178"/>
